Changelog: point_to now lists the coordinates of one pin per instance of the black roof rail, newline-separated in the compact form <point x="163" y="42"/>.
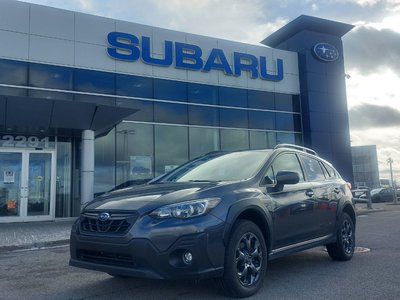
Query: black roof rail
<point x="301" y="148"/>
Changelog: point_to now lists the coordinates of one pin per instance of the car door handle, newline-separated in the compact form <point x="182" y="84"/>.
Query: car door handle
<point x="310" y="193"/>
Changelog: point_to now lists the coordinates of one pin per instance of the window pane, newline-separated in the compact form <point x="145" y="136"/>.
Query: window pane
<point x="145" y="109"/>
<point x="261" y="120"/>
<point x="54" y="77"/>
<point x="287" y="162"/>
<point x="286" y="102"/>
<point x="313" y="169"/>
<point x="16" y="73"/>
<point x="129" y="85"/>
<point x="232" y="97"/>
<point x="288" y="138"/>
<point x="64" y="180"/>
<point x="171" y="148"/>
<point x="94" y="82"/>
<point x="237" y="118"/>
<point x="234" y="139"/>
<point x="202" y="93"/>
<point x="201" y="115"/>
<point x="170" y="90"/>
<point x="260" y="99"/>
<point x="288" y="122"/>
<point x="134" y="152"/>
<point x="170" y="113"/>
<point x="104" y="162"/>
<point x="262" y="140"/>
<point x="202" y="141"/>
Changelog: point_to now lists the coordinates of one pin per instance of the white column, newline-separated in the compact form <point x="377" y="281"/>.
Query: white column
<point x="87" y="166"/>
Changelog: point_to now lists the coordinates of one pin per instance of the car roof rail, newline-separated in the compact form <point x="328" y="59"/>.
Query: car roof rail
<point x="301" y="148"/>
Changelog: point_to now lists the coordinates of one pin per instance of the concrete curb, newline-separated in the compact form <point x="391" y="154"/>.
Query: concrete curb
<point x="34" y="246"/>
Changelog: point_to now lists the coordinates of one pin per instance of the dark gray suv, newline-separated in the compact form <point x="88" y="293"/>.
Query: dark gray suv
<point x="223" y="215"/>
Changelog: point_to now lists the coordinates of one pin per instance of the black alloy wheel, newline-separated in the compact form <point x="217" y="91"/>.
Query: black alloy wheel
<point x="245" y="260"/>
<point x="343" y="248"/>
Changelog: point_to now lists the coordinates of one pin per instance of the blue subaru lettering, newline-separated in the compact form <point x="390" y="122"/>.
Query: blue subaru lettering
<point x="123" y="46"/>
<point x="185" y="53"/>
<point x="325" y="52"/>
<point x="146" y="53"/>
<point x="217" y="60"/>
<point x="128" y="47"/>
<point x="250" y="65"/>
<point x="271" y="77"/>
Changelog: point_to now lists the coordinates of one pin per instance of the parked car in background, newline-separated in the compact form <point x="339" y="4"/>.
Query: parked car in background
<point x="382" y="195"/>
<point x="222" y="215"/>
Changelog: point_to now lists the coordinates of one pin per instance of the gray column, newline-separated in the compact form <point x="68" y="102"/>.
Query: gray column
<point x="87" y="166"/>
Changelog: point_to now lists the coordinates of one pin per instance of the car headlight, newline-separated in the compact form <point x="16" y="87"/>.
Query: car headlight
<point x="187" y="209"/>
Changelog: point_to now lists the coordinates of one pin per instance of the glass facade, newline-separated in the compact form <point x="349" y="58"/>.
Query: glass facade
<point x="176" y="121"/>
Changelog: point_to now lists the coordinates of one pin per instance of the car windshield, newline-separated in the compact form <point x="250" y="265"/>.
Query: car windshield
<point x="226" y="167"/>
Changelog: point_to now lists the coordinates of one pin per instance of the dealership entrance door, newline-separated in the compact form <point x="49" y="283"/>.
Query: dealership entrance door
<point x="27" y="185"/>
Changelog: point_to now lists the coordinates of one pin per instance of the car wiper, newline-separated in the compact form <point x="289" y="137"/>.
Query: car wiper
<point x="200" y="180"/>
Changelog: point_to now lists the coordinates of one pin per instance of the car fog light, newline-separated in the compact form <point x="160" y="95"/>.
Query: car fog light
<point x="187" y="257"/>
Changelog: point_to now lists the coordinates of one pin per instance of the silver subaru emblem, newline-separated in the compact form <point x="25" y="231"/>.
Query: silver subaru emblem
<point x="104" y="216"/>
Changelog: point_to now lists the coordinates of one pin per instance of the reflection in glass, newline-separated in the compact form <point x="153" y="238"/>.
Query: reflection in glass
<point x="202" y="141"/>
<point x="262" y="140"/>
<point x="288" y="122"/>
<point x="135" y="157"/>
<point x="232" y="140"/>
<point x="64" y="180"/>
<point x="202" y="93"/>
<point x="200" y="115"/>
<point x="171" y="148"/>
<point x="170" y="113"/>
<point x="53" y="77"/>
<point x="94" y="82"/>
<point x="145" y="109"/>
<point x="15" y="73"/>
<point x="134" y="86"/>
<point x="104" y="162"/>
<point x="261" y="120"/>
<point x="237" y="118"/>
<point x="39" y="184"/>
<point x="170" y="90"/>
<point x="10" y="183"/>
<point x="260" y="99"/>
<point x="232" y="97"/>
<point x="286" y="102"/>
<point x="288" y="138"/>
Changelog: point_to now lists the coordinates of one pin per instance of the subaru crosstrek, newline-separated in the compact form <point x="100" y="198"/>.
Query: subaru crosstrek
<point x="223" y="215"/>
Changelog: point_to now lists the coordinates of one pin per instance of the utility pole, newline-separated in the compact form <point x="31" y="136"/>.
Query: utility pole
<point x="390" y="162"/>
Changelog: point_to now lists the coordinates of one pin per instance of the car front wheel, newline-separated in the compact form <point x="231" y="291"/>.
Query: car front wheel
<point x="343" y="248"/>
<point x="245" y="260"/>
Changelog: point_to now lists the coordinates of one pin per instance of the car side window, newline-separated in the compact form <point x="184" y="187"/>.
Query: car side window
<point x="313" y="169"/>
<point x="331" y="171"/>
<point x="284" y="162"/>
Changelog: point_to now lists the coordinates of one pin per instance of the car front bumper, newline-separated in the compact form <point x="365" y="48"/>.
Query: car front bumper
<point x="140" y="257"/>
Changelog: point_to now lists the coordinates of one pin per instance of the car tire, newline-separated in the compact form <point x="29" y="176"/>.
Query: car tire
<point x="245" y="260"/>
<point x="343" y="248"/>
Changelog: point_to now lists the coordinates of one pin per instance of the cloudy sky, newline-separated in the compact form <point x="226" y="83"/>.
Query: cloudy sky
<point x="372" y="49"/>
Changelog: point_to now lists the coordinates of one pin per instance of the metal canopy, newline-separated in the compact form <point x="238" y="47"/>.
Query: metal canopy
<point x="56" y="117"/>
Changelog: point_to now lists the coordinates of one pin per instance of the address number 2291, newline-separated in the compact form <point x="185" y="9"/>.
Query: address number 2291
<point x="21" y="141"/>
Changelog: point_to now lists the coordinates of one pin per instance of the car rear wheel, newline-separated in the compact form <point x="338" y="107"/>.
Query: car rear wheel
<point x="245" y="260"/>
<point x="343" y="248"/>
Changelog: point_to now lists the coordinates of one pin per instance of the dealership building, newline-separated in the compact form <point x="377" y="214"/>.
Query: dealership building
<point x="89" y="103"/>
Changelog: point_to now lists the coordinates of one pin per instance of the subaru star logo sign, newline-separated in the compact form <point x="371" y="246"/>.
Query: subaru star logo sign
<point x="325" y="52"/>
<point x="103" y="217"/>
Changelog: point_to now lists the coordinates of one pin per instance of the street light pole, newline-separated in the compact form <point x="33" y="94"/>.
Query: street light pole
<point x="390" y="162"/>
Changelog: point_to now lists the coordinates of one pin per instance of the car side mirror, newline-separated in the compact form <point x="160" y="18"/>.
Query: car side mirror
<point x="286" y="177"/>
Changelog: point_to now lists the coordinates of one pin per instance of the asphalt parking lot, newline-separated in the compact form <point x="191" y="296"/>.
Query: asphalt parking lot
<point x="45" y="274"/>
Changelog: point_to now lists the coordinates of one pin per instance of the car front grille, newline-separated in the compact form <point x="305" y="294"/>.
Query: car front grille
<point x="118" y="223"/>
<point x="108" y="258"/>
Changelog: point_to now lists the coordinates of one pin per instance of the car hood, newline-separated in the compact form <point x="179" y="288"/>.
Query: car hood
<point x="151" y="196"/>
